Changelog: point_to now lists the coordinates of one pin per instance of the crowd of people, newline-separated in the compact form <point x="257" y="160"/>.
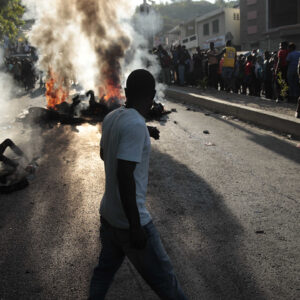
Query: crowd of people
<point x="273" y="75"/>
<point x="19" y="60"/>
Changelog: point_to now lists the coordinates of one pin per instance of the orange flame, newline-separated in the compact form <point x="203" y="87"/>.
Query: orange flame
<point x="55" y="92"/>
<point x="111" y="91"/>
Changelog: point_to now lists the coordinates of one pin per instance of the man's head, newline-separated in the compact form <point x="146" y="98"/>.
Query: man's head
<point x="292" y="47"/>
<point x="212" y="45"/>
<point x="267" y="55"/>
<point x="140" y="90"/>
<point x="283" y="45"/>
<point x="228" y="43"/>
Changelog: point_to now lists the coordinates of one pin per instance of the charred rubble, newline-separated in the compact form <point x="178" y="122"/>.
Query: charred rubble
<point x="14" y="175"/>
<point x="83" y="109"/>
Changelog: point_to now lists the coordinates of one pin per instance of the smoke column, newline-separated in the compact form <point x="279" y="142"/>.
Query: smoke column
<point x="88" y="41"/>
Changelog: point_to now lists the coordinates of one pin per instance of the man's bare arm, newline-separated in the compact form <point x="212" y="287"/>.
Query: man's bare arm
<point x="126" y="182"/>
<point x="101" y="154"/>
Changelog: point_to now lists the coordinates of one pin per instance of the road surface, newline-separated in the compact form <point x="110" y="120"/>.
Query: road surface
<point x="226" y="204"/>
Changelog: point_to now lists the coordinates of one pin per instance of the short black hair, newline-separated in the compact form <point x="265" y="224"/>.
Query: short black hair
<point x="140" y="83"/>
<point x="284" y="44"/>
<point x="228" y="43"/>
<point x="292" y="46"/>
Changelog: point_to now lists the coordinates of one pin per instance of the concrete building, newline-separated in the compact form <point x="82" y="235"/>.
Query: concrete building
<point x="265" y="23"/>
<point x="217" y="26"/>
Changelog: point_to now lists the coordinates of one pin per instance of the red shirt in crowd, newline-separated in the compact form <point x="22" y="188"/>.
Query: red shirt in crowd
<point x="282" y="54"/>
<point x="248" y="68"/>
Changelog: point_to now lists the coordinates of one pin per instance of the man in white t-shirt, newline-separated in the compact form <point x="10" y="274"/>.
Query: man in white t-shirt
<point x="126" y="225"/>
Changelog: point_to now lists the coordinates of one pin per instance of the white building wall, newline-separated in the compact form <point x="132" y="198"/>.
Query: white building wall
<point x="203" y="40"/>
<point x="227" y="23"/>
<point x="232" y="24"/>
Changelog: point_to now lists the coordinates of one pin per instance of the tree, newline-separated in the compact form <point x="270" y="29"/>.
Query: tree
<point x="220" y="3"/>
<point x="11" y="12"/>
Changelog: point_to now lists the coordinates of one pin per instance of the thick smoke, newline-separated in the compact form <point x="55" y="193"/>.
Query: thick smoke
<point x="91" y="42"/>
<point x="12" y="104"/>
<point x="81" y="40"/>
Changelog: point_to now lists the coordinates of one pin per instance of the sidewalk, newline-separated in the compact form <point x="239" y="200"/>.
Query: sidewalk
<point x="277" y="116"/>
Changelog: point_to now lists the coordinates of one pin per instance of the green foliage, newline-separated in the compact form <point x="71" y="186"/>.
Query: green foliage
<point x="284" y="88"/>
<point x="11" y="12"/>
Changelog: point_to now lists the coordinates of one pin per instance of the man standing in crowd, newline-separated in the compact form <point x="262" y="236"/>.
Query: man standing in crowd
<point x="228" y="64"/>
<point x="213" y="65"/>
<point x="267" y="75"/>
<point x="165" y="63"/>
<point x="126" y="225"/>
<point x="297" y="114"/>
<point x="292" y="75"/>
<point x="281" y="66"/>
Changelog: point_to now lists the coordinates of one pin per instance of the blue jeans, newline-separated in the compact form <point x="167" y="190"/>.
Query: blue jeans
<point x="152" y="263"/>
<point x="227" y="73"/>
<point x="293" y="82"/>
<point x="181" y="71"/>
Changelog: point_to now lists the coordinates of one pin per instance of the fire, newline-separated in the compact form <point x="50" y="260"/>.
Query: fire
<point x="55" y="92"/>
<point x="111" y="92"/>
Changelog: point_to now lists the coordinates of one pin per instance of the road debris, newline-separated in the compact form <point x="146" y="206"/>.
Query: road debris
<point x="210" y="144"/>
<point x="205" y="131"/>
<point x="13" y="175"/>
<point x="259" y="231"/>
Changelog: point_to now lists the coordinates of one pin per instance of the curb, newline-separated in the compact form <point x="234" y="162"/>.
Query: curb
<point x="268" y="119"/>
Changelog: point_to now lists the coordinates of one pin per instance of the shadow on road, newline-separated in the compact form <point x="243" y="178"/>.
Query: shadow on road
<point x="270" y="142"/>
<point x="199" y="232"/>
<point x="45" y="229"/>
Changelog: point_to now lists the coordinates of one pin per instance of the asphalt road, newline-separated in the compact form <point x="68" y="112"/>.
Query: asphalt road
<point x="226" y="204"/>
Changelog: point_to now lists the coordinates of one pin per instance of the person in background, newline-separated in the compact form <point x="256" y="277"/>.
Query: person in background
<point x="181" y="65"/>
<point x="198" y="70"/>
<point x="165" y="63"/>
<point x="213" y="64"/>
<point x="238" y="74"/>
<point x="281" y="66"/>
<point x="220" y="79"/>
<point x="292" y="75"/>
<point x="174" y="56"/>
<point x="258" y="72"/>
<point x="229" y="53"/>
<point x="297" y="114"/>
<point x="249" y="73"/>
<point x="267" y="75"/>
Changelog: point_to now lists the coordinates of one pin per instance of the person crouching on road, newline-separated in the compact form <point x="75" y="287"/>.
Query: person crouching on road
<point x="126" y="226"/>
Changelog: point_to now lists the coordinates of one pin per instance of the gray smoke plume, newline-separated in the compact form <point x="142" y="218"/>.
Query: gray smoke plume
<point x="81" y="40"/>
<point x="91" y="42"/>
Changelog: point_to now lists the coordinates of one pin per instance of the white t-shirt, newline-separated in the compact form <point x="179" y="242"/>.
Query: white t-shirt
<point x="124" y="136"/>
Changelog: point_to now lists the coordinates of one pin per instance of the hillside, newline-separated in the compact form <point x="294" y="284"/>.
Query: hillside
<point x="180" y="11"/>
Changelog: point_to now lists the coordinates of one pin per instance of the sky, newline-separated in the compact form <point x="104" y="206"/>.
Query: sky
<point x="138" y="2"/>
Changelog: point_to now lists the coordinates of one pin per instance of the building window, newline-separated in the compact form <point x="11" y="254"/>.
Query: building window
<point x="252" y="29"/>
<point x="250" y="2"/>
<point x="251" y="15"/>
<point x="283" y="14"/>
<point x="236" y="17"/>
<point x="215" y="25"/>
<point x="206" y="29"/>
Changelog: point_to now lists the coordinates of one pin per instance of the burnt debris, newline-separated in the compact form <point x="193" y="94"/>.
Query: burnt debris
<point x="13" y="176"/>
